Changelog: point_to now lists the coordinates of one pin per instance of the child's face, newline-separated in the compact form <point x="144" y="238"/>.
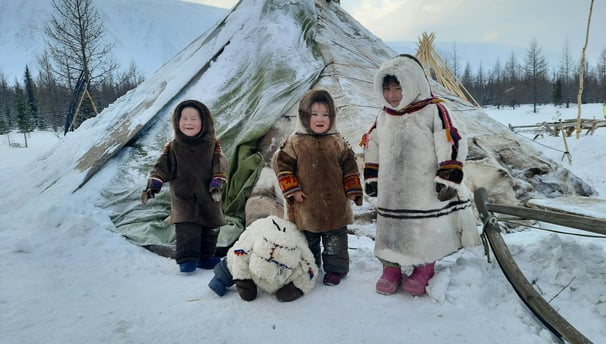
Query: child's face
<point x="190" y="122"/>
<point x="319" y="122"/>
<point x="392" y="93"/>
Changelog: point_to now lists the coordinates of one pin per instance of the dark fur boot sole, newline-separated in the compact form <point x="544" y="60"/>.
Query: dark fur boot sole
<point x="247" y="289"/>
<point x="288" y="293"/>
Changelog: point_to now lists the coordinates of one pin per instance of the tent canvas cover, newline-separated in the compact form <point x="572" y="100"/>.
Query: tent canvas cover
<point x="251" y="69"/>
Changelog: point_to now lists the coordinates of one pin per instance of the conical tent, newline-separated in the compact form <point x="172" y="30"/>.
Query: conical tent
<point x="251" y="69"/>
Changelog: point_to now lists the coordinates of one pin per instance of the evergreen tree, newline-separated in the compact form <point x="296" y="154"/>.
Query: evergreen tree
<point x="557" y="92"/>
<point x="4" y="129"/>
<point x="7" y="120"/>
<point x="6" y="100"/>
<point x="601" y="75"/>
<point x="31" y="101"/>
<point x="24" y="121"/>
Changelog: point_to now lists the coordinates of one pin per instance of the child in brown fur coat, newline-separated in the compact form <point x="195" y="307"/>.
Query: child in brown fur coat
<point x="319" y="177"/>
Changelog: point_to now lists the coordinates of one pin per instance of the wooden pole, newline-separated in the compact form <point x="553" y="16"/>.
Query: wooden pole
<point x="437" y="69"/>
<point x="71" y="125"/>
<point x="92" y="102"/>
<point x="566" y="152"/>
<point x="582" y="73"/>
<point x="525" y="290"/>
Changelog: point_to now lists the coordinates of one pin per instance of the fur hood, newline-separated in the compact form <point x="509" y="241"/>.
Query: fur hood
<point x="208" y="124"/>
<point x="409" y="72"/>
<point x="304" y="114"/>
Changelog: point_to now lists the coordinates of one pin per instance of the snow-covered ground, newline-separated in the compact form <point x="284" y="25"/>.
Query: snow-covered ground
<point x="67" y="278"/>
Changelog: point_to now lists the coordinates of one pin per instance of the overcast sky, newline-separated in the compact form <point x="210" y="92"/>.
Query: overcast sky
<point x="509" y="22"/>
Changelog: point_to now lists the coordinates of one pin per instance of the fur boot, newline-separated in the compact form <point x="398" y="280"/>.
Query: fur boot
<point x="222" y="279"/>
<point x="288" y="293"/>
<point x="390" y="280"/>
<point x="247" y="289"/>
<point x="418" y="280"/>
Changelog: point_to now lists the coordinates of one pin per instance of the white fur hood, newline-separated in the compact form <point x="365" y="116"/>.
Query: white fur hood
<point x="411" y="76"/>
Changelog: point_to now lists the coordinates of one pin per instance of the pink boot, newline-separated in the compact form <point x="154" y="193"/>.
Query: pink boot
<point x="418" y="280"/>
<point x="390" y="280"/>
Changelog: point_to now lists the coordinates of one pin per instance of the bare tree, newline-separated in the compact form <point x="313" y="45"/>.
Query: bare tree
<point x="511" y="80"/>
<point x="454" y="63"/>
<point x="536" y="73"/>
<point x="76" y="42"/>
<point x="495" y="81"/>
<point x="81" y="56"/>
<point x="53" y="96"/>
<point x="566" y="73"/>
<point x="601" y="71"/>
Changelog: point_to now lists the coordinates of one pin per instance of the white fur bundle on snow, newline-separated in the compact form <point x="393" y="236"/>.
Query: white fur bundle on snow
<point x="273" y="252"/>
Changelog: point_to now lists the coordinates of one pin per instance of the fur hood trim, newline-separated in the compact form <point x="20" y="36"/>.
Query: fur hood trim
<point x="409" y="72"/>
<point x="208" y="124"/>
<point x="304" y="113"/>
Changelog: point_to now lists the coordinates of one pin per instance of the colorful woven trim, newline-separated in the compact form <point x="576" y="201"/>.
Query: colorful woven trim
<point x="218" y="147"/>
<point x="217" y="182"/>
<point x="366" y="137"/>
<point x="157" y="177"/>
<point x="414" y="107"/>
<point x="352" y="185"/>
<point x="451" y="170"/>
<point x="451" y="164"/>
<point x="288" y="183"/>
<point x="452" y="134"/>
<point x="371" y="171"/>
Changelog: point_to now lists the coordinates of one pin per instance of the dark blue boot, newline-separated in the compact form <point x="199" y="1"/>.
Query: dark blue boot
<point x="222" y="279"/>
<point x="187" y="267"/>
<point x="209" y="263"/>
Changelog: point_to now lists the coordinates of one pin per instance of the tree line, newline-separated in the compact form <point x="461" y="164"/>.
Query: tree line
<point x="77" y="55"/>
<point x="78" y="51"/>
<point x="531" y="80"/>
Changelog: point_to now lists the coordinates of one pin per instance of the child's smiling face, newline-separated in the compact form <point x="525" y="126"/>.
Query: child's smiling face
<point x="190" y="122"/>
<point x="392" y="92"/>
<point x="319" y="122"/>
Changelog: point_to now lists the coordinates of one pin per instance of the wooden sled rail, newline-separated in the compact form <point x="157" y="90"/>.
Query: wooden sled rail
<point x="569" y="220"/>
<point x="525" y="290"/>
<point x="565" y="126"/>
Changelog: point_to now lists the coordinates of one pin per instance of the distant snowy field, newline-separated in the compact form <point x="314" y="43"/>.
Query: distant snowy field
<point x="588" y="153"/>
<point x="67" y="278"/>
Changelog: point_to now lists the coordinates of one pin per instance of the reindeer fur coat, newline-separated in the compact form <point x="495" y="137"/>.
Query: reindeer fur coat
<point x="323" y="166"/>
<point x="404" y="153"/>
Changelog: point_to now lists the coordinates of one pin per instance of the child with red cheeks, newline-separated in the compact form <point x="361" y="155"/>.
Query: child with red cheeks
<point x="319" y="178"/>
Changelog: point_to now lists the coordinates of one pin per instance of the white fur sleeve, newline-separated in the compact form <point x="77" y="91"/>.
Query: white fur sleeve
<point x="238" y="256"/>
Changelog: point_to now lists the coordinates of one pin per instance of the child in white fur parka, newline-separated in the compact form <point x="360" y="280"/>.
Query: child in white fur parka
<point x="414" y="155"/>
<point x="271" y="254"/>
